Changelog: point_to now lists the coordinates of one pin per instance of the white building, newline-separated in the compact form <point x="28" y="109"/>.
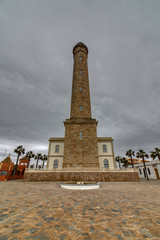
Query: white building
<point x="153" y="169"/>
<point x="105" y="154"/>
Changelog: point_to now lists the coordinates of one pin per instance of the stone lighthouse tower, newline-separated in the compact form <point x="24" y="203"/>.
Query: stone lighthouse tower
<point x="80" y="143"/>
<point x="80" y="150"/>
<point x="80" y="155"/>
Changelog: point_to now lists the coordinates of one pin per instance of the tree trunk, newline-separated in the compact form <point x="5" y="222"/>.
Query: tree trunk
<point x="145" y="169"/>
<point x="29" y="163"/>
<point x="119" y="164"/>
<point x="37" y="163"/>
<point x="15" y="169"/>
<point x="132" y="162"/>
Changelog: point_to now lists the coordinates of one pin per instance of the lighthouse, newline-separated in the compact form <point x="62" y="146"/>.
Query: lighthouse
<point x="80" y="144"/>
<point x="80" y="149"/>
<point x="80" y="155"/>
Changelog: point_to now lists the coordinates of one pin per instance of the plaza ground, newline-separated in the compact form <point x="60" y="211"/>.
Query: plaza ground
<point x="42" y="210"/>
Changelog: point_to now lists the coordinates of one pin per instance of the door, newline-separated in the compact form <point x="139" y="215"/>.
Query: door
<point x="156" y="172"/>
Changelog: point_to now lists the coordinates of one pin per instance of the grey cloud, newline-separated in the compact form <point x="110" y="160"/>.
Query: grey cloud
<point x="36" y="61"/>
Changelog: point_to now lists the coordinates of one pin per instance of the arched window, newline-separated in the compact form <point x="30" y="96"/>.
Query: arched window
<point x="106" y="164"/>
<point x="56" y="163"/>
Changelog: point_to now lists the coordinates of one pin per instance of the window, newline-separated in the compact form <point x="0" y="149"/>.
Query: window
<point x="149" y="171"/>
<point x="56" y="163"/>
<point x="144" y="172"/>
<point x="80" y="58"/>
<point x="80" y="135"/>
<point x="80" y="108"/>
<point x="80" y="89"/>
<point x="106" y="164"/>
<point x="57" y="149"/>
<point x="3" y="172"/>
<point x="140" y="172"/>
<point x="104" y="148"/>
<point x="80" y="72"/>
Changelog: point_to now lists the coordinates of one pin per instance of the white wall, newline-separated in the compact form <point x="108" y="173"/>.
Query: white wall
<point x="152" y="174"/>
<point x="51" y="163"/>
<point x="110" y="161"/>
<point x="109" y="148"/>
<point x="52" y="155"/>
<point x="53" y="146"/>
<point x="109" y="155"/>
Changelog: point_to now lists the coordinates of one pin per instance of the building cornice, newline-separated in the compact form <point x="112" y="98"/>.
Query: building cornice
<point x="56" y="139"/>
<point x="107" y="155"/>
<point x="56" y="156"/>
<point x="102" y="139"/>
<point x="80" y="121"/>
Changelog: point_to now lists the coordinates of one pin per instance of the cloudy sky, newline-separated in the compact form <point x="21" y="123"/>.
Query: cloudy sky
<point x="36" y="65"/>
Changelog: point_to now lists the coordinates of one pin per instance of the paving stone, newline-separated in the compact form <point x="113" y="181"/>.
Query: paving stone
<point x="45" y="211"/>
<point x="4" y="237"/>
<point x="71" y="228"/>
<point x="119" y="237"/>
<point x="17" y="231"/>
<point x="33" y="230"/>
<point x="41" y="236"/>
<point x="63" y="237"/>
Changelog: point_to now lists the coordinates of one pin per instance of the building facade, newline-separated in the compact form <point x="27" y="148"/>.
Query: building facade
<point x="7" y="168"/>
<point x="152" y="167"/>
<point x="105" y="155"/>
<point x="80" y="149"/>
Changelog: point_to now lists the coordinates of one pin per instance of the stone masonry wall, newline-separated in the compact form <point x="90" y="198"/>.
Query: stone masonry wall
<point x="82" y="176"/>
<point x="81" y="152"/>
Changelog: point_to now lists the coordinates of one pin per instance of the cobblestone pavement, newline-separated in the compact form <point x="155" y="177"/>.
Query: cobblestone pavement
<point x="45" y="211"/>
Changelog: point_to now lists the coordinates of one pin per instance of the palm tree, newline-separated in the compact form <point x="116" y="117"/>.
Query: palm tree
<point x="130" y="153"/>
<point x="125" y="162"/>
<point x="30" y="155"/>
<point x="43" y="158"/>
<point x="142" y="154"/>
<point x="19" y="150"/>
<point x="155" y="153"/>
<point x="37" y="157"/>
<point x="118" y="159"/>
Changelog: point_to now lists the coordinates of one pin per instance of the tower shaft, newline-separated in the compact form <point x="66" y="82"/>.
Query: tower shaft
<point x="80" y="144"/>
<point x="80" y="101"/>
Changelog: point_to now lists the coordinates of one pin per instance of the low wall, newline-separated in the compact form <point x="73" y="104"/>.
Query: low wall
<point x="81" y="176"/>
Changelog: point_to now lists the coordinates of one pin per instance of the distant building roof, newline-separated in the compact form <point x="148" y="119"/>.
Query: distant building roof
<point x="153" y="162"/>
<point x="137" y="160"/>
<point x="7" y="159"/>
<point x="24" y="158"/>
